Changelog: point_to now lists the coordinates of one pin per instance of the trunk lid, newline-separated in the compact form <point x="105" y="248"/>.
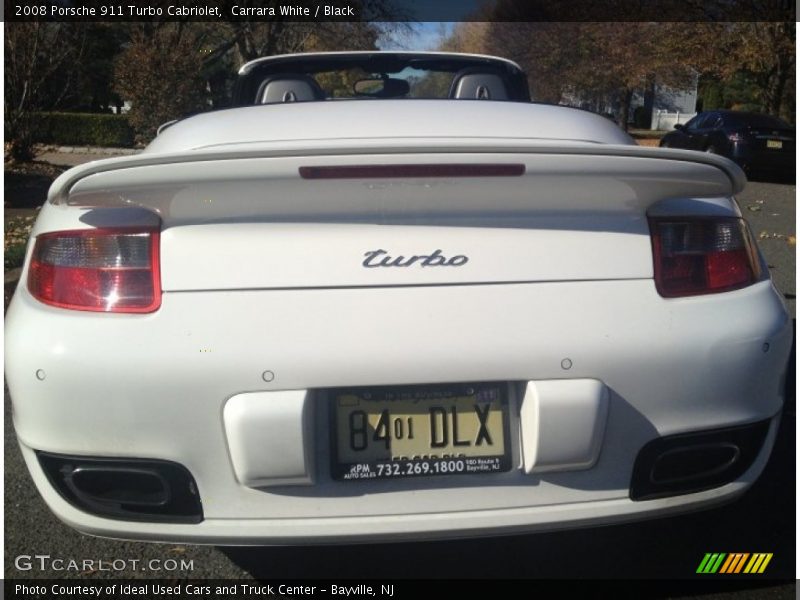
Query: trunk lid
<point x="253" y="222"/>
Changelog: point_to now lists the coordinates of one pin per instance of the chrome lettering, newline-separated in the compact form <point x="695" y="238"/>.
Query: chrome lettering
<point x="381" y="258"/>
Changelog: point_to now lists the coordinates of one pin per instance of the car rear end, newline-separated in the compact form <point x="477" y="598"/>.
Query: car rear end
<point x="433" y="338"/>
<point x="760" y="143"/>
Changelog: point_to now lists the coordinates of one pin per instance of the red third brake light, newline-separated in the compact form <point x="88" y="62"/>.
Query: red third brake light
<point x="694" y="255"/>
<point x="104" y="270"/>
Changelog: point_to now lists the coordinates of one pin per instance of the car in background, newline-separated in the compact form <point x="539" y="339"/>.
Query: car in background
<point x="757" y="143"/>
<point x="387" y="297"/>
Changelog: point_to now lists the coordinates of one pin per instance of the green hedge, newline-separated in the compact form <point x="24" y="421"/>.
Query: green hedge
<point x="83" y="129"/>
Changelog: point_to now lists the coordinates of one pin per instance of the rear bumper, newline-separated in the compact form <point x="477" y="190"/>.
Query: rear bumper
<point x="156" y="386"/>
<point x="399" y="527"/>
<point x="764" y="160"/>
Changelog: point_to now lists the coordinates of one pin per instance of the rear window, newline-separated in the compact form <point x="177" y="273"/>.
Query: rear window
<point x="421" y="84"/>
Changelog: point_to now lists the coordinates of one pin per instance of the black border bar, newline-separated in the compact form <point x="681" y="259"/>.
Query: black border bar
<point x="400" y="589"/>
<point x="419" y="11"/>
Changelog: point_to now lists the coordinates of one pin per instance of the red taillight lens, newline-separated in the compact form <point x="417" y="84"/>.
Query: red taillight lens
<point x="104" y="270"/>
<point x="702" y="255"/>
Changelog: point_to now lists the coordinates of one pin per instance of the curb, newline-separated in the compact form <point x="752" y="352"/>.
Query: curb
<point x="12" y="275"/>
<point x="91" y="150"/>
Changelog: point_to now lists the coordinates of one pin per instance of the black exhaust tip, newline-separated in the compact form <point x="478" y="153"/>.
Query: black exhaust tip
<point x="693" y="462"/>
<point x="125" y="488"/>
<point x="120" y="485"/>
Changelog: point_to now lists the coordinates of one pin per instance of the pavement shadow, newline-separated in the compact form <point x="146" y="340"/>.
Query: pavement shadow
<point x="772" y="177"/>
<point x="25" y="190"/>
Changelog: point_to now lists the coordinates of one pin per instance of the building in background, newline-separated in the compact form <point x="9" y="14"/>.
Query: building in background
<point x="660" y="108"/>
<point x="663" y="107"/>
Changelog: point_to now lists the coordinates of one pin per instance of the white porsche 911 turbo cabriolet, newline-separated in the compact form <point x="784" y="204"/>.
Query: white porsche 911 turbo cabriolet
<point x="387" y="297"/>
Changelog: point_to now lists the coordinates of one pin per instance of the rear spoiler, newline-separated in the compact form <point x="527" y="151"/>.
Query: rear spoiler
<point x="316" y="149"/>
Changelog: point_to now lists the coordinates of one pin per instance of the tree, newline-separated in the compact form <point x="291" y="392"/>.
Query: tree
<point x="712" y="95"/>
<point x="740" y="53"/>
<point x="767" y="52"/>
<point x="161" y="74"/>
<point x="590" y="62"/>
<point x="566" y="54"/>
<point x="93" y="89"/>
<point x="37" y="77"/>
<point x="255" y="39"/>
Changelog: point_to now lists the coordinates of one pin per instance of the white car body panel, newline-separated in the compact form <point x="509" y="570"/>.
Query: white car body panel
<point x="220" y="362"/>
<point x="349" y="122"/>
<point x="267" y="307"/>
<point x="268" y="435"/>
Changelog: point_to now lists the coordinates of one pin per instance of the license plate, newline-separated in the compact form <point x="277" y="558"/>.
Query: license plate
<point x="386" y="433"/>
<point x="776" y="144"/>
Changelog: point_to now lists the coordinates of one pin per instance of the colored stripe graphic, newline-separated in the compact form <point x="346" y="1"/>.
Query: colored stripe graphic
<point x="711" y="563"/>
<point x="758" y="563"/>
<point x="703" y="563"/>
<point x="724" y="563"/>
<point x="734" y="563"/>
<point x="718" y="562"/>
<point x="741" y="563"/>
<point x="729" y="563"/>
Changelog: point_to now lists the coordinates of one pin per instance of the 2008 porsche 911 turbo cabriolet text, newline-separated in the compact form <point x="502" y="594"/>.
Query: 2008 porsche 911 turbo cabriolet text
<point x="387" y="297"/>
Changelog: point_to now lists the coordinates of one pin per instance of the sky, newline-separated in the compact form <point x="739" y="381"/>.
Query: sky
<point x="424" y="36"/>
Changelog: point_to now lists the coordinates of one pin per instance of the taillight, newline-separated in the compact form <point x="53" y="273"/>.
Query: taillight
<point x="104" y="270"/>
<point x="702" y="255"/>
<point x="736" y="137"/>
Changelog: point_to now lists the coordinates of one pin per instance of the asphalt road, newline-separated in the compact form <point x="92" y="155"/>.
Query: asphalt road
<point x="762" y="521"/>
